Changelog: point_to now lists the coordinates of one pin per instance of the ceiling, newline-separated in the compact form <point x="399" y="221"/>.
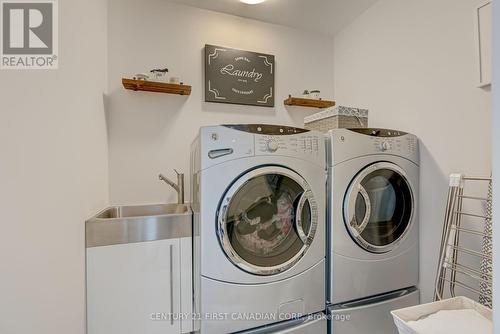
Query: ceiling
<point x="320" y="16"/>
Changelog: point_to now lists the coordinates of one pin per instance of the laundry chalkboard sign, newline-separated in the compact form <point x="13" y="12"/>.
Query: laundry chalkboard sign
<point x="239" y="77"/>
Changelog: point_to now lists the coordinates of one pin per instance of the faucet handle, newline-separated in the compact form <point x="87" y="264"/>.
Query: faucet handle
<point x="178" y="174"/>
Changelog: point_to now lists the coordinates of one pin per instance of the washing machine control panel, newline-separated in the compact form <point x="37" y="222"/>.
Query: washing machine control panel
<point x="308" y="144"/>
<point x="385" y="145"/>
<point x="272" y="145"/>
<point x="217" y="144"/>
<point x="266" y="129"/>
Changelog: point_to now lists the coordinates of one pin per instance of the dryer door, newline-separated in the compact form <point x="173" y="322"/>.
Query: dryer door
<point x="378" y="207"/>
<point x="267" y="220"/>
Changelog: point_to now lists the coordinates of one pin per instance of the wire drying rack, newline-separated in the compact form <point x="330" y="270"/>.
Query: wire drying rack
<point x="465" y="257"/>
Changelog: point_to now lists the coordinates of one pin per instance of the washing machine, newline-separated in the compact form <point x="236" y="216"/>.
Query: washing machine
<point x="258" y="196"/>
<point x="373" y="213"/>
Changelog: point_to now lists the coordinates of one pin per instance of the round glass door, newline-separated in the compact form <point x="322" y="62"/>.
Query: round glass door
<point x="378" y="207"/>
<point x="267" y="220"/>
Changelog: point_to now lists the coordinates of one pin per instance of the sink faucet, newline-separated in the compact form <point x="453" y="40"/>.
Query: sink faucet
<point x="179" y="186"/>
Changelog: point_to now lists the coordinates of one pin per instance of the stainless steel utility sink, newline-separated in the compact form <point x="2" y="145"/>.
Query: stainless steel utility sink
<point x="138" y="223"/>
<point x="114" y="212"/>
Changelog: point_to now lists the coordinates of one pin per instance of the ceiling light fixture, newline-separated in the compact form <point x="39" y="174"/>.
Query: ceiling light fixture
<point x="252" y="2"/>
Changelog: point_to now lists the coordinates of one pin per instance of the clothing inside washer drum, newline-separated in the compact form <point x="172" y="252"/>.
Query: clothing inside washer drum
<point x="260" y="220"/>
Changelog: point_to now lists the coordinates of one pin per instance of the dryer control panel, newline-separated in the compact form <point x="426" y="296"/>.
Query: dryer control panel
<point x="351" y="143"/>
<point x="397" y="145"/>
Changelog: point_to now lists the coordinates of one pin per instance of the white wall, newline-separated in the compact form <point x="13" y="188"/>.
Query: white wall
<point x="150" y="132"/>
<point x="496" y="162"/>
<point x="412" y="64"/>
<point x="53" y="175"/>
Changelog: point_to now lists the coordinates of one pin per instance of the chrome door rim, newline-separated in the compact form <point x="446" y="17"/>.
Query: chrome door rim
<point x="348" y="211"/>
<point x="221" y="221"/>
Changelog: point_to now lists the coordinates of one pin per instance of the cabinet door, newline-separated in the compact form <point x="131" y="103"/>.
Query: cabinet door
<point x="186" y="284"/>
<point x="134" y="288"/>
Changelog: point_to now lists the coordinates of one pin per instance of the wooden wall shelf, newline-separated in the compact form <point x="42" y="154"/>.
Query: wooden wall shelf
<point x="311" y="103"/>
<point x="157" y="87"/>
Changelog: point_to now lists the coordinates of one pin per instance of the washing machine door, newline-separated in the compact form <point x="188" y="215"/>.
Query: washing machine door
<point x="267" y="220"/>
<point x="378" y="207"/>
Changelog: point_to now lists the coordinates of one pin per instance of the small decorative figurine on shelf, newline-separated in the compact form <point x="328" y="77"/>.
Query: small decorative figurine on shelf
<point x="159" y="74"/>
<point x="314" y="94"/>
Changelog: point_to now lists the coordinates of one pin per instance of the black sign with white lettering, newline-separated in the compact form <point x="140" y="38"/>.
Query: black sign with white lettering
<point x="239" y="77"/>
